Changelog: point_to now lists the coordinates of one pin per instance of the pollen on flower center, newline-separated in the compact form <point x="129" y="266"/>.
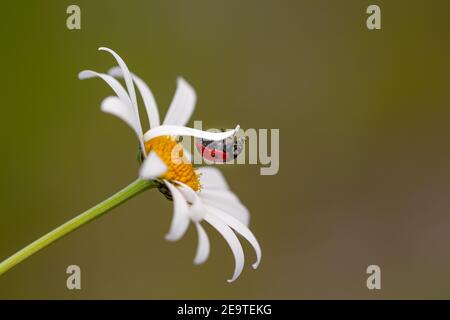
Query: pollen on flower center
<point x="179" y="168"/>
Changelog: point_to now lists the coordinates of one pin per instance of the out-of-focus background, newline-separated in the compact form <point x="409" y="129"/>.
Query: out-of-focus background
<point x="364" y="146"/>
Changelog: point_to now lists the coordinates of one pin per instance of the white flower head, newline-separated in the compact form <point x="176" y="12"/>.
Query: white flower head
<point x="198" y="194"/>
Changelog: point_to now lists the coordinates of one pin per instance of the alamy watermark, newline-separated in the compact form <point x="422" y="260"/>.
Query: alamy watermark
<point x="73" y="281"/>
<point x="373" y="22"/>
<point x="73" y="21"/>
<point x="374" y="280"/>
<point x="250" y="146"/>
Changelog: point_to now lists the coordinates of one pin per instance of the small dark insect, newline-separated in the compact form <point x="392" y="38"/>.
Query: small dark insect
<point x="220" y="151"/>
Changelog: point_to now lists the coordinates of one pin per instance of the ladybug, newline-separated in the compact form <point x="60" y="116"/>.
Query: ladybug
<point x="220" y="151"/>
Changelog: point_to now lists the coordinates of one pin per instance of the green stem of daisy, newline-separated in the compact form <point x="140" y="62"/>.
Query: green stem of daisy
<point x="123" y="195"/>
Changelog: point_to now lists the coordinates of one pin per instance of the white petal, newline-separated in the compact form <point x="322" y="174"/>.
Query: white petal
<point x="153" y="167"/>
<point x="226" y="201"/>
<point x="238" y="211"/>
<point x="219" y="195"/>
<point x="113" y="83"/>
<point x="183" y="104"/>
<point x="212" y="178"/>
<point x="127" y="77"/>
<point x="203" y="245"/>
<point x="170" y="130"/>
<point x="118" y="108"/>
<point x="180" y="220"/>
<point x="239" y="228"/>
<point x="146" y="94"/>
<point x="197" y="211"/>
<point x="232" y="241"/>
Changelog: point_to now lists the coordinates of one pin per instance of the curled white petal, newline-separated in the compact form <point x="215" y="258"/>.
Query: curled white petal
<point x="127" y="77"/>
<point x="146" y="94"/>
<point x="238" y="211"/>
<point x="113" y="83"/>
<point x="152" y="167"/>
<point x="240" y="228"/>
<point x="183" y="104"/>
<point x="226" y="201"/>
<point x="212" y="178"/>
<point x="172" y="130"/>
<point x="180" y="220"/>
<point x="118" y="108"/>
<point x="203" y="245"/>
<point x="232" y="241"/>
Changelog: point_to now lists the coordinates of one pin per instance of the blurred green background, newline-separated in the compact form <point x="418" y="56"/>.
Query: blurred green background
<point x="364" y="154"/>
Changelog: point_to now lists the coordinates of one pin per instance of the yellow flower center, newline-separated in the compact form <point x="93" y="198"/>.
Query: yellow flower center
<point x="172" y="154"/>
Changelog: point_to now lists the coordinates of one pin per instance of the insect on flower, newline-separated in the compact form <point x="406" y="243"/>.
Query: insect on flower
<point x="220" y="151"/>
<point x="200" y="195"/>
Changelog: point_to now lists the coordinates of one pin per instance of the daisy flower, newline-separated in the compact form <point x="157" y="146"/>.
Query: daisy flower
<point x="199" y="195"/>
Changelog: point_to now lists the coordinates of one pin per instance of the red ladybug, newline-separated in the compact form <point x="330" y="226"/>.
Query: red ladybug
<point x="220" y="151"/>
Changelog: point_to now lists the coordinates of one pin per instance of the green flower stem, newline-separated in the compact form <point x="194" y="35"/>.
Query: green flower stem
<point x="123" y="195"/>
